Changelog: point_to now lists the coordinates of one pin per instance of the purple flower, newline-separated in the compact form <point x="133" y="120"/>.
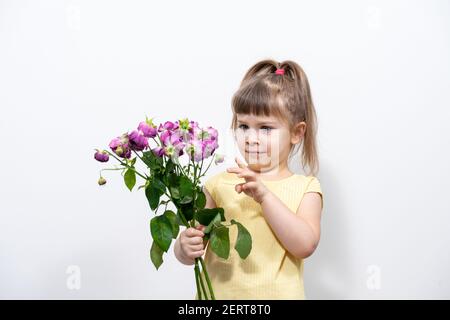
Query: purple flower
<point x="101" y="156"/>
<point x="148" y="129"/>
<point x="170" y="137"/>
<point x="208" y="140"/>
<point x="212" y="133"/>
<point x="208" y="148"/>
<point x="167" y="126"/>
<point x="158" y="151"/>
<point x="120" y="146"/>
<point x="208" y="134"/>
<point x="174" y="150"/>
<point x="194" y="149"/>
<point x="137" y="141"/>
<point x="189" y="126"/>
<point x="184" y="129"/>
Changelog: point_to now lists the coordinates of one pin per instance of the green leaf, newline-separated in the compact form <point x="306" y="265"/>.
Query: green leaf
<point x="133" y="161"/>
<point x="152" y="161"/>
<point x="170" y="166"/>
<point x="158" y="184"/>
<point x="200" y="202"/>
<point x="130" y="178"/>
<point x="179" y="221"/>
<point x="173" y="218"/>
<point x="214" y="222"/>
<point x="173" y="179"/>
<point x="205" y="216"/>
<point x="186" y="199"/>
<point x="156" y="255"/>
<point x="161" y="230"/>
<point x="175" y="192"/>
<point x="145" y="185"/>
<point x="220" y="242"/>
<point x="152" y="195"/>
<point x="244" y="240"/>
<point x="186" y="187"/>
<point x="187" y="210"/>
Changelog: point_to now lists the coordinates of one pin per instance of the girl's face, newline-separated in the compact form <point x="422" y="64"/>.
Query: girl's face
<point x="265" y="142"/>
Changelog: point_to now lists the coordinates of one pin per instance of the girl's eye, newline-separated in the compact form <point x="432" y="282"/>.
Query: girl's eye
<point x="266" y="128"/>
<point x="244" y="126"/>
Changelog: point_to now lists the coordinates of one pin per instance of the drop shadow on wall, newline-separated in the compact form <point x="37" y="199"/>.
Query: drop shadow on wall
<point x="328" y="273"/>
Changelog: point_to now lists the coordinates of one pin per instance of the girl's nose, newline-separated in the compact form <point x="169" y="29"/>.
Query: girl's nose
<point x="252" y="141"/>
<point x="252" y="137"/>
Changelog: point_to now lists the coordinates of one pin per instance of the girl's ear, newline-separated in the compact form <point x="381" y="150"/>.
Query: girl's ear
<point x="298" y="132"/>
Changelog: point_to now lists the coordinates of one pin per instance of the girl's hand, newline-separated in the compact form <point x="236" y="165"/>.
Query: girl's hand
<point x="252" y="186"/>
<point x="191" y="242"/>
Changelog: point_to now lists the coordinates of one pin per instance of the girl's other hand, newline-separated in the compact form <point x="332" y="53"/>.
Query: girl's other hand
<point x="191" y="242"/>
<point x="252" y="186"/>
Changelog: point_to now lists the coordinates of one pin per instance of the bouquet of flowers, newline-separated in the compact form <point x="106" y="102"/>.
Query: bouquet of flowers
<point x="169" y="179"/>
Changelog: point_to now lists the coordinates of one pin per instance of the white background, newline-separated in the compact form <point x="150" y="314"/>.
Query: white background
<point x="75" y="74"/>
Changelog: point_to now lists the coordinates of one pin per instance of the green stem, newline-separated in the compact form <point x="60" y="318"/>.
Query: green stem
<point x="197" y="281"/>
<point x="195" y="179"/>
<point x="207" y="279"/>
<point x="201" y="165"/>
<point x="138" y="156"/>
<point x="157" y="141"/>
<point x="183" y="219"/>
<point x="126" y="165"/>
<point x="198" y="273"/>
<point x="169" y="195"/>
<point x="199" y="278"/>
<point x="160" y="144"/>
<point x="109" y="169"/>
<point x="206" y="170"/>
<point x="178" y="164"/>
<point x="202" y="285"/>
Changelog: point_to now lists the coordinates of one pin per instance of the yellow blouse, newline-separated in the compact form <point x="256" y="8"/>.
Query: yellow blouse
<point x="269" y="271"/>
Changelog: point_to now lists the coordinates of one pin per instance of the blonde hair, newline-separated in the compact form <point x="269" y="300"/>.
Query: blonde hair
<point x="287" y="97"/>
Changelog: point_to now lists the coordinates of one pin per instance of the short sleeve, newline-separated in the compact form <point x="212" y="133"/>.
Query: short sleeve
<point x="210" y="185"/>
<point x="314" y="186"/>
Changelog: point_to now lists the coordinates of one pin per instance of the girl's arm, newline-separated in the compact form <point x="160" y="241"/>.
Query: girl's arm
<point x="180" y="256"/>
<point x="298" y="232"/>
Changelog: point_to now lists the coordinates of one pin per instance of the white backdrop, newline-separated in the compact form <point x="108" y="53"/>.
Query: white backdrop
<point x="74" y="74"/>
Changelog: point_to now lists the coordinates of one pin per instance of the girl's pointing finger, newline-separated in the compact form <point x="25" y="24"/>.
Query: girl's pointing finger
<point x="240" y="163"/>
<point x="234" y="170"/>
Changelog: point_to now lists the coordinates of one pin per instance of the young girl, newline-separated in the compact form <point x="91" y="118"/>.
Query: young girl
<point x="273" y="113"/>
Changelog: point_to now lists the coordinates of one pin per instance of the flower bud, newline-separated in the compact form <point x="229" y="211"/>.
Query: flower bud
<point x="101" y="181"/>
<point x="218" y="158"/>
<point x="119" y="151"/>
<point x="101" y="156"/>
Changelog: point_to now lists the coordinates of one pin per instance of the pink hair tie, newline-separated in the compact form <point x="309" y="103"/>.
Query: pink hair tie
<point x="280" y="71"/>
